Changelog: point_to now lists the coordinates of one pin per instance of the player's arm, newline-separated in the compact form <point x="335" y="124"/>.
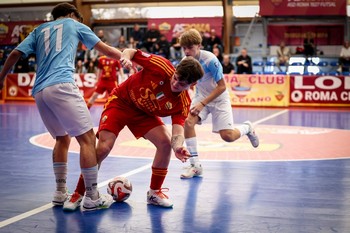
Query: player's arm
<point x="11" y="60"/>
<point x="177" y="140"/>
<point x="107" y="50"/>
<point x="216" y="71"/>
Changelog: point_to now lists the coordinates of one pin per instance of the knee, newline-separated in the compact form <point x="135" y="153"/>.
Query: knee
<point x="189" y="123"/>
<point x="102" y="150"/>
<point x="229" y="135"/>
<point x="63" y="141"/>
<point x="164" y="145"/>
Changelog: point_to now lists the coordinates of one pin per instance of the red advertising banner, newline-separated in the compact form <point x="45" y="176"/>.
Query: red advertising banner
<point x="320" y="90"/>
<point x="295" y="34"/>
<point x="12" y="33"/>
<point x="171" y="26"/>
<point x="258" y="90"/>
<point x="302" y="7"/>
<point x="19" y="86"/>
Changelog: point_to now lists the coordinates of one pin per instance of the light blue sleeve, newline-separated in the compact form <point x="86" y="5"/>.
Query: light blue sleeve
<point x="87" y="36"/>
<point x="215" y="69"/>
<point x="28" y="45"/>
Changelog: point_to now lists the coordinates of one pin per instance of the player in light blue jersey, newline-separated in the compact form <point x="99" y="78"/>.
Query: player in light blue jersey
<point x="211" y="97"/>
<point x="61" y="106"/>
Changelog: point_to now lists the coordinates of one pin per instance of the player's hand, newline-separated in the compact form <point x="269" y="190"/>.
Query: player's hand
<point x="195" y="110"/>
<point x="182" y="154"/>
<point x="126" y="63"/>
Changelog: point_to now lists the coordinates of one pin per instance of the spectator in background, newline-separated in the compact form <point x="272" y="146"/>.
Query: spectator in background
<point x="309" y="45"/>
<point x="217" y="52"/>
<point x="91" y="55"/>
<point x="101" y="35"/>
<point x="132" y="43"/>
<point x="205" y="40"/>
<point x="152" y="36"/>
<point x="244" y="63"/>
<point x="176" y="51"/>
<point x="162" y="47"/>
<point x="214" y="40"/>
<point x="227" y="66"/>
<point x="283" y="55"/>
<point x="22" y="65"/>
<point x="91" y="67"/>
<point x="138" y="35"/>
<point x="79" y="67"/>
<point x="80" y="54"/>
<point x="121" y="43"/>
<point x="344" y="58"/>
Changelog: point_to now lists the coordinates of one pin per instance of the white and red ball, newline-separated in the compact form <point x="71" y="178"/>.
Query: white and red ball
<point x="120" y="188"/>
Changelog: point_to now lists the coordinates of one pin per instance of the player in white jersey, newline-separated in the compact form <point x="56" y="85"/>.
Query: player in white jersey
<point x="211" y="97"/>
<point x="61" y="106"/>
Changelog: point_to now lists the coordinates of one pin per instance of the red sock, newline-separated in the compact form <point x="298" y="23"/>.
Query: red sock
<point x="80" y="186"/>
<point x="158" y="177"/>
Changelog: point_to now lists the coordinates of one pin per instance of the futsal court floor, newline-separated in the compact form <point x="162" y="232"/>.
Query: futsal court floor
<point x="297" y="181"/>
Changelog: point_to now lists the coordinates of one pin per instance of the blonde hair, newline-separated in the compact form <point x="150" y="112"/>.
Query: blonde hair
<point x="190" y="37"/>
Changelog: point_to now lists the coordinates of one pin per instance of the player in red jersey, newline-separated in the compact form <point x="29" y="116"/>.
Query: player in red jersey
<point x="157" y="90"/>
<point x="108" y="69"/>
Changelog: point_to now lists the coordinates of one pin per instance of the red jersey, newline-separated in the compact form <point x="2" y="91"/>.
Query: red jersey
<point x="109" y="68"/>
<point x="149" y="89"/>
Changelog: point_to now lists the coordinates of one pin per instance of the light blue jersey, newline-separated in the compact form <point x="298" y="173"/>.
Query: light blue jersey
<point x="212" y="74"/>
<point x="55" y="44"/>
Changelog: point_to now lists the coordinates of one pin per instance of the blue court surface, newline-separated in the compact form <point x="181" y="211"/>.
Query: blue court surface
<point x="298" y="180"/>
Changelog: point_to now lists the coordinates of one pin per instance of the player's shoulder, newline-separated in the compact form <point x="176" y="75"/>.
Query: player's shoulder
<point x="206" y="56"/>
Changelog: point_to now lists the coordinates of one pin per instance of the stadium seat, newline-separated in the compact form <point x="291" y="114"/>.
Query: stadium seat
<point x="334" y="63"/>
<point x="322" y="63"/>
<point x="258" y="63"/>
<point x="296" y="64"/>
<point x="281" y="72"/>
<point x="270" y="63"/>
<point x="333" y="73"/>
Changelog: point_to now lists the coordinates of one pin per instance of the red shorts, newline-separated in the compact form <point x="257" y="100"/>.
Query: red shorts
<point x="118" y="114"/>
<point x="103" y="86"/>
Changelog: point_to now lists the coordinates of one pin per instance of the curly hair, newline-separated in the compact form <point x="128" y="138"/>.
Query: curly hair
<point x="64" y="9"/>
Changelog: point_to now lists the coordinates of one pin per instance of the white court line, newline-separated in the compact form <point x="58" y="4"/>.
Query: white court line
<point x="270" y="117"/>
<point x="104" y="183"/>
<point x="48" y="206"/>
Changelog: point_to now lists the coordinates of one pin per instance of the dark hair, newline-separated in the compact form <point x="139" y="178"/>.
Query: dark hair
<point x="189" y="70"/>
<point x="64" y="9"/>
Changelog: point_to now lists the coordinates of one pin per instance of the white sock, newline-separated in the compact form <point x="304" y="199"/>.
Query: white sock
<point x="243" y="129"/>
<point x="191" y="144"/>
<point x="60" y="171"/>
<point x="90" y="179"/>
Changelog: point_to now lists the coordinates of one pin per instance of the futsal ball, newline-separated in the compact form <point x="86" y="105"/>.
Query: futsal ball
<point x="119" y="188"/>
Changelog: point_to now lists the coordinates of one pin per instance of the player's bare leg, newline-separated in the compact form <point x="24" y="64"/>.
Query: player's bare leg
<point x="59" y="159"/>
<point x="161" y="138"/>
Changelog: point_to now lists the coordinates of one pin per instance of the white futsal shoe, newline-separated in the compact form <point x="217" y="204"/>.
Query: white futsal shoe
<point x="254" y="140"/>
<point x="59" y="198"/>
<point x="103" y="202"/>
<point x="192" y="170"/>
<point x="157" y="197"/>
